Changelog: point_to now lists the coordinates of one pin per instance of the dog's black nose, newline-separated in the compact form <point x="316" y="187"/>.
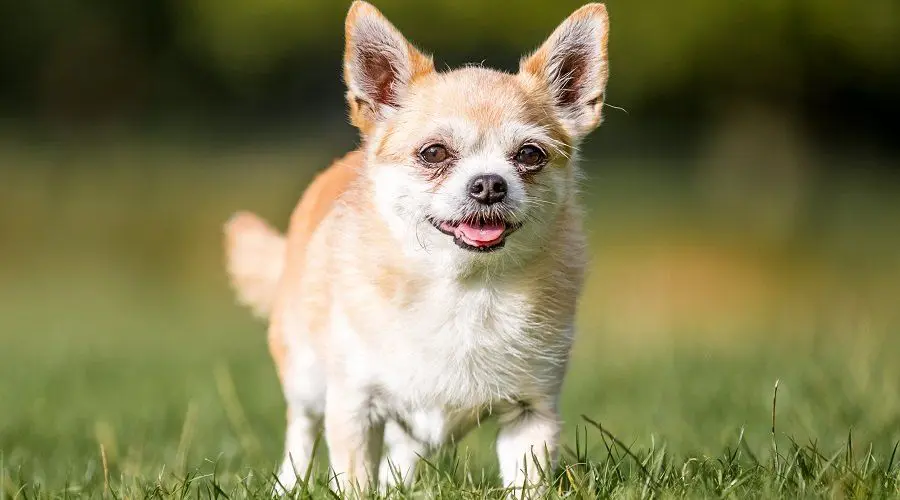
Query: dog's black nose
<point x="487" y="189"/>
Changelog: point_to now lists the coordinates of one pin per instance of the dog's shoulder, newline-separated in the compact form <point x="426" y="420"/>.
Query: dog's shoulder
<point x="321" y="195"/>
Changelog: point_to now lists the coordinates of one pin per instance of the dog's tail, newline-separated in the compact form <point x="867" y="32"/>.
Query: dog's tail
<point x="255" y="257"/>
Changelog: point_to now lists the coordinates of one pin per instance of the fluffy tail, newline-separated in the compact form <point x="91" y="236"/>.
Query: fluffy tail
<point x="255" y="255"/>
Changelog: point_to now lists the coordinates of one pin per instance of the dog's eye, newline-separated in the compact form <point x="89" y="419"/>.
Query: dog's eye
<point x="530" y="155"/>
<point x="435" y="153"/>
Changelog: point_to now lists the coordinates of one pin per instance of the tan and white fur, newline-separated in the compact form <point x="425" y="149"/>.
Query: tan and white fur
<point x="393" y="318"/>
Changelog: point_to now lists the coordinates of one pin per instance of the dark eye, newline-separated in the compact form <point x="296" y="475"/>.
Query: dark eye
<point x="436" y="153"/>
<point x="530" y="155"/>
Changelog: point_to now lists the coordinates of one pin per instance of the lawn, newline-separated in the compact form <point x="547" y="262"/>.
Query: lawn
<point x="127" y="371"/>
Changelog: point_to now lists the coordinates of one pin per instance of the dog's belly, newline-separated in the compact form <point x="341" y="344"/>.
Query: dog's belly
<point x="436" y="426"/>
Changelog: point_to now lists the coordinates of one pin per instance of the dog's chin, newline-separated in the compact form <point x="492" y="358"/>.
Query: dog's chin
<point x="477" y="233"/>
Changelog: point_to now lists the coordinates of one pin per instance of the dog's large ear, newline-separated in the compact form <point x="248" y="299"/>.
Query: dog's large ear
<point x="379" y="65"/>
<point x="573" y="64"/>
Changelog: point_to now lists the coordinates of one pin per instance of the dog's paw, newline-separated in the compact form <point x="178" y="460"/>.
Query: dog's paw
<point x="286" y="481"/>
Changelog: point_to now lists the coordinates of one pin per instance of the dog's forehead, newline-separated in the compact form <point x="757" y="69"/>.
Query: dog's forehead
<point x="487" y="97"/>
<point x="468" y="105"/>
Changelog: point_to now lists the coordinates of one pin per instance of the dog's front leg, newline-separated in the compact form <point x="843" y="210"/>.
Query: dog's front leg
<point x="527" y="446"/>
<point x="355" y="434"/>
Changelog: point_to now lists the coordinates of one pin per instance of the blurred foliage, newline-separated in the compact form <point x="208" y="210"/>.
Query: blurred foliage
<point x="663" y="41"/>
<point x="90" y="59"/>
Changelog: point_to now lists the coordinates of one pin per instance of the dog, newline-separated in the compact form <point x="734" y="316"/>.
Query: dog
<point x="430" y="278"/>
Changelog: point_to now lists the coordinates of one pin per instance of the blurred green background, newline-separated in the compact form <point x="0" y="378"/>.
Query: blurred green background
<point x="743" y="200"/>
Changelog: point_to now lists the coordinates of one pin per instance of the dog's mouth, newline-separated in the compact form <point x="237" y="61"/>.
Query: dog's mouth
<point x="479" y="233"/>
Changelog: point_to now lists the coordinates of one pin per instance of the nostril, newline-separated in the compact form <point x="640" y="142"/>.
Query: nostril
<point x="489" y="188"/>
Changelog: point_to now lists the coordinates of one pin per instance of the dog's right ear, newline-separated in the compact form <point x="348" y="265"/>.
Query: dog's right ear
<point x="379" y="65"/>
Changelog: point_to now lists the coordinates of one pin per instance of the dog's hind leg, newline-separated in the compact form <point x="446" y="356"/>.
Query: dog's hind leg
<point x="304" y="391"/>
<point x="402" y="452"/>
<point x="299" y="443"/>
<point x="421" y="432"/>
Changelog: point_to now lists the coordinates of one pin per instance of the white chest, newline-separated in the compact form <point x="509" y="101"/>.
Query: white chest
<point x="467" y="348"/>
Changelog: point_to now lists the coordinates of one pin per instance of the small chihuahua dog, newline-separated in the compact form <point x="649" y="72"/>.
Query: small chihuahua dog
<point x="429" y="279"/>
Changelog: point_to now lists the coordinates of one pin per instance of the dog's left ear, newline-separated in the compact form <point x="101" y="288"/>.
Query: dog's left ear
<point x="574" y="66"/>
<point x="379" y="65"/>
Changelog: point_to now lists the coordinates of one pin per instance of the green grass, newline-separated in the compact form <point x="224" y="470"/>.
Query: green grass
<point x="126" y="371"/>
<point x="180" y="407"/>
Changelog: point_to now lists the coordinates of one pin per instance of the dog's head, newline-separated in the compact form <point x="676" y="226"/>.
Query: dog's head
<point x="474" y="161"/>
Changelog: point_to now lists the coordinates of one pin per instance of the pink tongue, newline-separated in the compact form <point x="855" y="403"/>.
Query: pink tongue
<point x="481" y="235"/>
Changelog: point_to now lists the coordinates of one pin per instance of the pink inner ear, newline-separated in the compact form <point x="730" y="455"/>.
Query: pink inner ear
<point x="571" y="70"/>
<point x="378" y="76"/>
